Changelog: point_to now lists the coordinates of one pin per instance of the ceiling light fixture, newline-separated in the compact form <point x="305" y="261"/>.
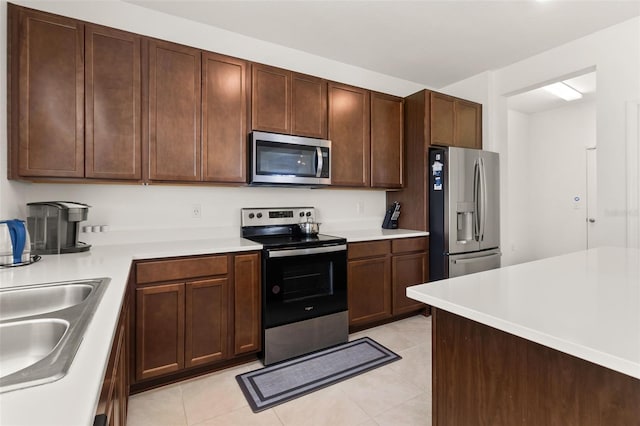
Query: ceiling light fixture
<point x="564" y="91"/>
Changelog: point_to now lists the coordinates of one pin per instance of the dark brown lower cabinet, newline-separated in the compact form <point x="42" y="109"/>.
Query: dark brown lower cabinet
<point x="206" y="314"/>
<point x="379" y="273"/>
<point x="113" y="401"/>
<point x="159" y="330"/>
<point x="210" y="316"/>
<point x="482" y="375"/>
<point x="369" y="283"/>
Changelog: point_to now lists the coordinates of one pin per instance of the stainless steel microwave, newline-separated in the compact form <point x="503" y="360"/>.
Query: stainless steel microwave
<point x="294" y="160"/>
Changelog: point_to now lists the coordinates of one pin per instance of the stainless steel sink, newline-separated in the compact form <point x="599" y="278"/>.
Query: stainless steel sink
<point x="37" y="300"/>
<point x="41" y="328"/>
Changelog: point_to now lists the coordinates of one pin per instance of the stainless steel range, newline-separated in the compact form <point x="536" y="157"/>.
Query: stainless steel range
<point x="304" y="283"/>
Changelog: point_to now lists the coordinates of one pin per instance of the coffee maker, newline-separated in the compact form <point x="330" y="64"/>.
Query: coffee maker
<point x="54" y="226"/>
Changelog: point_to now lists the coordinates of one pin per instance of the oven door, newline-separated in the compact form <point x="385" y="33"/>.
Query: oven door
<point x="305" y="283"/>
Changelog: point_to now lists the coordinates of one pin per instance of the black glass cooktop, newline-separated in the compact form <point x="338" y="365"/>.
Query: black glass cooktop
<point x="292" y="241"/>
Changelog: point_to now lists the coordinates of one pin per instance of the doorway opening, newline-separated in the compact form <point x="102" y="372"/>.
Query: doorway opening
<point x="551" y="167"/>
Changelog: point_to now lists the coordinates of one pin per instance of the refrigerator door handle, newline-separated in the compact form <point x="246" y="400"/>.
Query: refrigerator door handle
<point x="475" y="259"/>
<point x="476" y="200"/>
<point x="483" y="198"/>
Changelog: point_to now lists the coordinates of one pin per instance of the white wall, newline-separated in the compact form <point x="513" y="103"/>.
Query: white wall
<point x="615" y="54"/>
<point x="546" y="170"/>
<point x="136" y="212"/>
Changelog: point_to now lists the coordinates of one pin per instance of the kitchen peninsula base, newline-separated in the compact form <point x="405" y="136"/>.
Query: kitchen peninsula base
<point x="482" y="375"/>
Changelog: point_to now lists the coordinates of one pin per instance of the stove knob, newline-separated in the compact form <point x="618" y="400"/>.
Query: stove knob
<point x="251" y="215"/>
<point x="308" y="214"/>
<point x="259" y="215"/>
<point x="301" y="214"/>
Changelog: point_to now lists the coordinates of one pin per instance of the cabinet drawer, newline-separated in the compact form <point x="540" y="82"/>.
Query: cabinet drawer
<point x="180" y="269"/>
<point x="368" y="249"/>
<point x="405" y="245"/>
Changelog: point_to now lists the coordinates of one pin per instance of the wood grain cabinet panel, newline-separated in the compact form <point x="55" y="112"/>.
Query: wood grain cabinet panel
<point x="442" y="119"/>
<point x="225" y="106"/>
<point x="349" y="132"/>
<point x="387" y="142"/>
<point x="159" y="330"/>
<point x="271" y="99"/>
<point x="455" y="122"/>
<point x="369" y="290"/>
<point x="173" y="101"/>
<point x="308" y="106"/>
<point x="247" y="310"/>
<point x="50" y="105"/>
<point x="468" y="124"/>
<point x="206" y="321"/>
<point x="112" y="103"/>
<point x="407" y="270"/>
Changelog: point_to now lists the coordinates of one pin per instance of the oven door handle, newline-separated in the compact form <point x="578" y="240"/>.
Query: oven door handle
<point x="305" y="251"/>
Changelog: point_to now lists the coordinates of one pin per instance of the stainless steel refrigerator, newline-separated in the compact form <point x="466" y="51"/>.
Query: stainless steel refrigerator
<point x="464" y="212"/>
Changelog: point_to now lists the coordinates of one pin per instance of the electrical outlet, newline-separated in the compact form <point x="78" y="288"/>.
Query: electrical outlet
<point x="196" y="211"/>
<point x="359" y="207"/>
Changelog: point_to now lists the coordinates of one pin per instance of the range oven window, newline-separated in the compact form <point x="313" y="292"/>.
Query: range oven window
<point x="300" y="282"/>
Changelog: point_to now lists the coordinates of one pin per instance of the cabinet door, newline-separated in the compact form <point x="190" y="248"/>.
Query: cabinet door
<point x="407" y="270"/>
<point x="112" y="90"/>
<point x="224" y="115"/>
<point x="369" y="282"/>
<point x="173" y="112"/>
<point x="468" y="124"/>
<point x="51" y="95"/>
<point x="442" y="119"/>
<point x="159" y="330"/>
<point x="271" y="99"/>
<point x="349" y="135"/>
<point x="206" y="321"/>
<point x="247" y="309"/>
<point x="387" y="142"/>
<point x="308" y="106"/>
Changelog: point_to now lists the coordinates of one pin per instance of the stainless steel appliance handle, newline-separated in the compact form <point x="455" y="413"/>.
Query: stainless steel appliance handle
<point x="304" y="251"/>
<point x="474" y="259"/>
<point x="476" y="200"/>
<point x="483" y="198"/>
<point x="320" y="161"/>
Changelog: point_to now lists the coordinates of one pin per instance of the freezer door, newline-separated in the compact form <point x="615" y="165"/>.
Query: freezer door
<point x="462" y="168"/>
<point x="489" y="200"/>
<point x="469" y="263"/>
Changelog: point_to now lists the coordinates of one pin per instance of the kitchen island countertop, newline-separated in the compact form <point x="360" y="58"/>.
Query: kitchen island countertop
<point x="585" y="304"/>
<point x="73" y="399"/>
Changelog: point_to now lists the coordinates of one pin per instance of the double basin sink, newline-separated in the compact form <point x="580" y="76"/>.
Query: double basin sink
<point x="41" y="328"/>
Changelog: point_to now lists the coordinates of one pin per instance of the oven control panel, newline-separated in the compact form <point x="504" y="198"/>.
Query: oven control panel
<point x="276" y="216"/>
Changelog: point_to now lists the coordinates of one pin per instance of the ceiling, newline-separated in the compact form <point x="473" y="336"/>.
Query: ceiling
<point x="434" y="43"/>
<point x="539" y="100"/>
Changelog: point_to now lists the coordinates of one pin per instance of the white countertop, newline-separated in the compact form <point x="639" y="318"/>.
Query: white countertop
<point x="73" y="399"/>
<point x="358" y="235"/>
<point x="586" y="304"/>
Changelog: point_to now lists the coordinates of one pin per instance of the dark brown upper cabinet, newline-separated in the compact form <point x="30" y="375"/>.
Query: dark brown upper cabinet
<point x="173" y="111"/>
<point x="225" y="104"/>
<point x="455" y="122"/>
<point x="349" y="133"/>
<point x="288" y="102"/>
<point x="46" y="74"/>
<point x="387" y="141"/>
<point x="112" y="104"/>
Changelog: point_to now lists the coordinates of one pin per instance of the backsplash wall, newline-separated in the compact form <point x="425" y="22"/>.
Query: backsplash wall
<point x="137" y="213"/>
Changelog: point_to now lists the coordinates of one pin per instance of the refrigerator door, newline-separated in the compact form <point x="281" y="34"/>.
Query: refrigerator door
<point x="469" y="263"/>
<point x="461" y="220"/>
<point x="489" y="200"/>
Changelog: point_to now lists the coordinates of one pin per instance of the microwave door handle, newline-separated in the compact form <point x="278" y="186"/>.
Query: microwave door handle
<point x="319" y="162"/>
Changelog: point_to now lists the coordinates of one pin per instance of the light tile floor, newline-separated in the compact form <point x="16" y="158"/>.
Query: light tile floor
<point x="396" y="394"/>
